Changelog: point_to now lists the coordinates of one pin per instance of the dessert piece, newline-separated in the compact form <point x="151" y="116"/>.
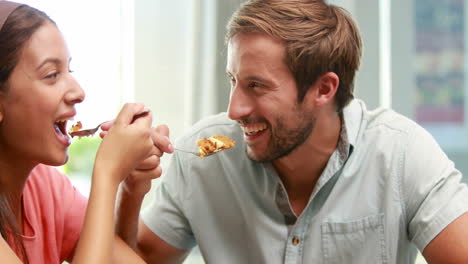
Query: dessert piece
<point x="214" y="144"/>
<point x="74" y="128"/>
<point x="77" y="131"/>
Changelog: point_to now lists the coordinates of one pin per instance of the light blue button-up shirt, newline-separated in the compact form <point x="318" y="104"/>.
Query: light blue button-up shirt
<point x="387" y="190"/>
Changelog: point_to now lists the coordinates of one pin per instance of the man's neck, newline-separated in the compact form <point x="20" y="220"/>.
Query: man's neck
<point x="300" y="170"/>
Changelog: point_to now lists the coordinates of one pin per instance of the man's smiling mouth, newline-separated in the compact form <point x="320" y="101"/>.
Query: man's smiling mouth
<point x="252" y="129"/>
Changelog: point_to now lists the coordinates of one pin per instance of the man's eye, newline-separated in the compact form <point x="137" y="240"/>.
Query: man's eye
<point x="254" y="85"/>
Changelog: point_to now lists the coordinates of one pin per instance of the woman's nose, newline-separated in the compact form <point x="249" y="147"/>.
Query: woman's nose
<point x="76" y="94"/>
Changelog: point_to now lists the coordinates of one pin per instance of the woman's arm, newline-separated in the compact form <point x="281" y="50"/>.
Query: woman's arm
<point x="96" y="240"/>
<point x="125" y="146"/>
<point x="8" y="256"/>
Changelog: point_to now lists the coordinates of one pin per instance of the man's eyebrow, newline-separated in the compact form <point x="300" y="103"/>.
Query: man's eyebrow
<point x="251" y="77"/>
<point x="259" y="79"/>
<point x="255" y="78"/>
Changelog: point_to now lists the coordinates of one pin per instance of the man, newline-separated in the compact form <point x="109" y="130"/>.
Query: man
<point x="315" y="177"/>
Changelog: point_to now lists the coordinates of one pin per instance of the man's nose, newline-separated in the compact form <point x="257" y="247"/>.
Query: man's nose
<point x="240" y="104"/>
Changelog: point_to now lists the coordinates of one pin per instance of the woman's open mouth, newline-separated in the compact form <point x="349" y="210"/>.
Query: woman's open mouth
<point x="60" y="128"/>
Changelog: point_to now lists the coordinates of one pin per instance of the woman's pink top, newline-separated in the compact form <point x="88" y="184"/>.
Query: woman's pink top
<point x="54" y="212"/>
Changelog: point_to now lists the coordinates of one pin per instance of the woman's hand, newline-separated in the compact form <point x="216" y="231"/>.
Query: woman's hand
<point x="139" y="180"/>
<point x="127" y="143"/>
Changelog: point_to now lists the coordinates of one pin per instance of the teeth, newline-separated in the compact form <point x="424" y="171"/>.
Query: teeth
<point x="65" y="119"/>
<point x="254" y="128"/>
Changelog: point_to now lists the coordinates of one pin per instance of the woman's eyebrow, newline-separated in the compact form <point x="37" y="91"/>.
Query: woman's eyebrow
<point x="49" y="60"/>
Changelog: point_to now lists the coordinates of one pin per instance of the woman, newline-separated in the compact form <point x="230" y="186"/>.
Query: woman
<point x="41" y="214"/>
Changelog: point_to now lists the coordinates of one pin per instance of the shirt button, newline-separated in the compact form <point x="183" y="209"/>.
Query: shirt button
<point x="295" y="241"/>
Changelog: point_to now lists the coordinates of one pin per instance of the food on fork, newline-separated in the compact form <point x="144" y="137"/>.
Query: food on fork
<point x="77" y="131"/>
<point x="76" y="127"/>
<point x="214" y="144"/>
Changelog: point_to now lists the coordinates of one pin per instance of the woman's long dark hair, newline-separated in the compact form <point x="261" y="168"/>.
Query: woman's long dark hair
<point x="16" y="31"/>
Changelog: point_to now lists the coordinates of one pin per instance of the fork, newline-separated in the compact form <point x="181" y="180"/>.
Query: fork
<point x="197" y="153"/>
<point x="86" y="132"/>
<point x="92" y="131"/>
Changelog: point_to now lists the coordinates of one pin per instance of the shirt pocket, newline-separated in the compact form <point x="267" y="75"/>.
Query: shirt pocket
<point x="354" y="242"/>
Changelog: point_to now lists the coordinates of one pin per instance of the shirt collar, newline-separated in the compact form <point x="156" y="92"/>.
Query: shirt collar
<point x="352" y="117"/>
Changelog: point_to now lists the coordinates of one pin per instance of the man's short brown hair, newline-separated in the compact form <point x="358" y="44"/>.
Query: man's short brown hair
<point x="318" y="37"/>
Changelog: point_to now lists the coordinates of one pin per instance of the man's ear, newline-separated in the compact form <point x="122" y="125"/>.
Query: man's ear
<point x="325" y="88"/>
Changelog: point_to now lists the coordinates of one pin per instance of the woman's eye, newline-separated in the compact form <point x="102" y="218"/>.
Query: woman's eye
<point x="52" y="75"/>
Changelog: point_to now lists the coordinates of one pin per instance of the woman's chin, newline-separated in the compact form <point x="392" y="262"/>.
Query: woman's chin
<point x="57" y="161"/>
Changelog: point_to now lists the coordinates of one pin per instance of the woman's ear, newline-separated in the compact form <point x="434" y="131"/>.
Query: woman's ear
<point x="325" y="88"/>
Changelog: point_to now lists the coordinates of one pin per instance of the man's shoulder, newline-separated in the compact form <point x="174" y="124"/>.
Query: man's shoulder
<point x="389" y="120"/>
<point x="383" y="123"/>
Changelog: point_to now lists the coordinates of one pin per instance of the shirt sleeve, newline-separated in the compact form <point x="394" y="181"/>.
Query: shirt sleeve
<point x="165" y="215"/>
<point x="434" y="195"/>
